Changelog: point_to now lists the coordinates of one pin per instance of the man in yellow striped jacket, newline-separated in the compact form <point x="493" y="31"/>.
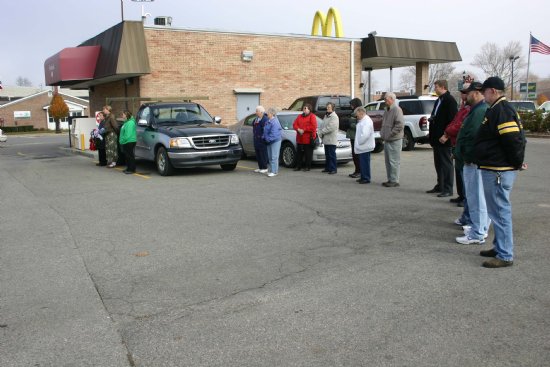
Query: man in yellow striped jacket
<point x="499" y="152"/>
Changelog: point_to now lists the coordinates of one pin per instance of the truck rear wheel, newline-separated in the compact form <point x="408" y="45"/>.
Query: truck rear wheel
<point x="408" y="140"/>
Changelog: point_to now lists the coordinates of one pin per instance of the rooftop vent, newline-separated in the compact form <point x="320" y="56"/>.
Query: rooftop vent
<point x="164" y="21"/>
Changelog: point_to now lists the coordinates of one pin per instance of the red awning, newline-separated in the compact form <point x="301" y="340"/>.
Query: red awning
<point x="71" y="65"/>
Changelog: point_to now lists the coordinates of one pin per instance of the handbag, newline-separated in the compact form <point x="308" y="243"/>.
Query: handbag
<point x="92" y="144"/>
<point x="315" y="141"/>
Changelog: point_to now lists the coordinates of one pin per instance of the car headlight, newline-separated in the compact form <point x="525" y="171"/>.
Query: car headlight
<point x="234" y="139"/>
<point x="180" y="143"/>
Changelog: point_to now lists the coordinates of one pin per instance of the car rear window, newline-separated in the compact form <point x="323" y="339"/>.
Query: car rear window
<point x="286" y="121"/>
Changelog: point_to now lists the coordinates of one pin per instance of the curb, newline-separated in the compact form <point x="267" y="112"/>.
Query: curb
<point x="85" y="153"/>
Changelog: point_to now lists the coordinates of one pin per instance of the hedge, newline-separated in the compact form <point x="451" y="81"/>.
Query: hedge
<point x="16" y="129"/>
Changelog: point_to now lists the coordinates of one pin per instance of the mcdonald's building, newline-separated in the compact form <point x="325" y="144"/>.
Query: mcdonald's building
<point x="230" y="72"/>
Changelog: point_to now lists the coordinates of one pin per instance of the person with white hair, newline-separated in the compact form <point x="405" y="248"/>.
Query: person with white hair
<point x="259" y="146"/>
<point x="392" y="131"/>
<point x="364" y="143"/>
<point x="273" y="137"/>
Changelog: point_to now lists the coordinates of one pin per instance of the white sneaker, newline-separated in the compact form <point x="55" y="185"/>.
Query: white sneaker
<point x="271" y="174"/>
<point x="465" y="240"/>
<point x="263" y="171"/>
<point x="257" y="170"/>
<point x="467" y="232"/>
<point x="457" y="222"/>
<point x="466" y="228"/>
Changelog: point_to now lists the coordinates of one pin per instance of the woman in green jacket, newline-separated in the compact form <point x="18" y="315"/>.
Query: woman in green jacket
<point x="127" y="140"/>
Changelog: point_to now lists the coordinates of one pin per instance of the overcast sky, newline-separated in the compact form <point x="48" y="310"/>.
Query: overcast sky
<point x="34" y="30"/>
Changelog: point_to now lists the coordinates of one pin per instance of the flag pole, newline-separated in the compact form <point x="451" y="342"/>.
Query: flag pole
<point x="528" y="63"/>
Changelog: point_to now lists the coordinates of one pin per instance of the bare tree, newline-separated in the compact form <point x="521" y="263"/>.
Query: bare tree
<point x="496" y="61"/>
<point x="435" y="72"/>
<point x="23" y="82"/>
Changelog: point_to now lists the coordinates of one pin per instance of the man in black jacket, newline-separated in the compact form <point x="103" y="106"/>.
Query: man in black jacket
<point x="445" y="109"/>
<point x="499" y="150"/>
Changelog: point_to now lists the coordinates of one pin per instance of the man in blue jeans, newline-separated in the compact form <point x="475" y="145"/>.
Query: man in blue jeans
<point x="499" y="151"/>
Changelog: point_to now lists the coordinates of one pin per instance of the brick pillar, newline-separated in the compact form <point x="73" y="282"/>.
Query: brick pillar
<point x="421" y="78"/>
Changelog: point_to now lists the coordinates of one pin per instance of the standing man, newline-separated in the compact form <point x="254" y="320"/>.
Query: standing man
<point x="259" y="145"/>
<point x="451" y="133"/>
<point x="329" y="133"/>
<point x="444" y="111"/>
<point x="475" y="209"/>
<point x="350" y="133"/>
<point x="499" y="151"/>
<point x="392" y="134"/>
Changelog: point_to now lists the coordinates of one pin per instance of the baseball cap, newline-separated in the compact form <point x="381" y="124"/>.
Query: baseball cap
<point x="493" y="82"/>
<point x="473" y="86"/>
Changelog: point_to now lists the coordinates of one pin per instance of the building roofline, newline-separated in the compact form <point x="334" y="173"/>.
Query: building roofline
<point x="245" y="33"/>
<point x="37" y="94"/>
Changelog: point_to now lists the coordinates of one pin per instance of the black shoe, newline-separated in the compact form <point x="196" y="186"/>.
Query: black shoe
<point x="129" y="172"/>
<point x="433" y="191"/>
<point x="444" y="195"/>
<point x="324" y="171"/>
<point x="354" y="175"/>
<point x="363" y="182"/>
<point x="306" y="169"/>
<point x="390" y="184"/>
<point x="332" y="173"/>
<point x="497" y="263"/>
<point x="101" y="164"/>
<point x="460" y="204"/>
<point x="488" y="253"/>
<point x="297" y="168"/>
<point x="457" y="200"/>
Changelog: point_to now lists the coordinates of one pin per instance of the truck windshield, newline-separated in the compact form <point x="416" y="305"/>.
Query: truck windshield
<point x="188" y="113"/>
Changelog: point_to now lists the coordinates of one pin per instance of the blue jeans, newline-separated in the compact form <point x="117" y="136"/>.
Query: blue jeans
<point x="330" y="157"/>
<point x="364" y="166"/>
<point x="475" y="197"/>
<point x="497" y="187"/>
<point x="273" y="150"/>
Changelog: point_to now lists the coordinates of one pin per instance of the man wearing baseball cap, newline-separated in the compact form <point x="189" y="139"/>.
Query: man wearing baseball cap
<point x="499" y="150"/>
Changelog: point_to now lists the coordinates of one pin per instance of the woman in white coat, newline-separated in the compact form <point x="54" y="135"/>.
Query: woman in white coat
<point x="364" y="143"/>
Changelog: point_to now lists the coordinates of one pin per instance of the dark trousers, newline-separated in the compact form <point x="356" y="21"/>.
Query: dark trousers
<point x="444" y="167"/>
<point x="128" y="150"/>
<point x="102" y="155"/>
<point x="330" y="156"/>
<point x="261" y="155"/>
<point x="304" y="152"/>
<point x="355" y="157"/>
<point x="364" y="161"/>
<point x="121" y="161"/>
<point x="459" y="182"/>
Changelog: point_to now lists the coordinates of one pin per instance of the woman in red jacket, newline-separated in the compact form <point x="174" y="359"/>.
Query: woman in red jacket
<point x="306" y="132"/>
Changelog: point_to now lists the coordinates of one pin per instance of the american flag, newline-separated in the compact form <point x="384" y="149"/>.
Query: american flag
<point x="538" y="46"/>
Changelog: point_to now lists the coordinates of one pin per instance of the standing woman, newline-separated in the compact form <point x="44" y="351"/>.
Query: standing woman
<point x="259" y="145"/>
<point x="306" y="131"/>
<point x="111" y="137"/>
<point x="329" y="135"/>
<point x="100" y="140"/>
<point x="354" y="103"/>
<point x="128" y="138"/>
<point x="272" y="137"/>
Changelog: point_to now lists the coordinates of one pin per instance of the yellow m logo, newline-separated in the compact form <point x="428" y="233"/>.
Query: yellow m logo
<point x="333" y="16"/>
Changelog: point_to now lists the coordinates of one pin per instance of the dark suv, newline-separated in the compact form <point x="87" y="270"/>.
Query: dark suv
<point x="319" y="105"/>
<point x="183" y="134"/>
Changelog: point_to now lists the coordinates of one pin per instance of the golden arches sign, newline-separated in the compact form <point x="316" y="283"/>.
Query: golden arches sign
<point x="333" y="16"/>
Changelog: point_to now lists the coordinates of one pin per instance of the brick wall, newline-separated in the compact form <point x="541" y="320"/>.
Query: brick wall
<point x="35" y="105"/>
<point x="200" y="63"/>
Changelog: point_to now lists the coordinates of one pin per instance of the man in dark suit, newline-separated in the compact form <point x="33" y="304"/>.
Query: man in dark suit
<point x="445" y="109"/>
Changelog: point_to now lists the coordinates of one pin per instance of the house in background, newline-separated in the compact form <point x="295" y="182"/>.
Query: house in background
<point x="29" y="106"/>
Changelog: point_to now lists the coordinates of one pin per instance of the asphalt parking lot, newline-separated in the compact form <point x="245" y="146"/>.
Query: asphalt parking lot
<point x="214" y="268"/>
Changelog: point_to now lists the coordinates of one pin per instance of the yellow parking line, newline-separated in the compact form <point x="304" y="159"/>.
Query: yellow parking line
<point x="120" y="169"/>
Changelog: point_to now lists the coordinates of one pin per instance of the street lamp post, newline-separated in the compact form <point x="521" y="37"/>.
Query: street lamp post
<point x="512" y="59"/>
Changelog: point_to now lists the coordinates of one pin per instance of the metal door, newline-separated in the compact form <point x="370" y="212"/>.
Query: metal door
<point x="246" y="104"/>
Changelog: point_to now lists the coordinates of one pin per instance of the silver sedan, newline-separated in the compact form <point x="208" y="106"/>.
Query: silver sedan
<point x="288" y="146"/>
